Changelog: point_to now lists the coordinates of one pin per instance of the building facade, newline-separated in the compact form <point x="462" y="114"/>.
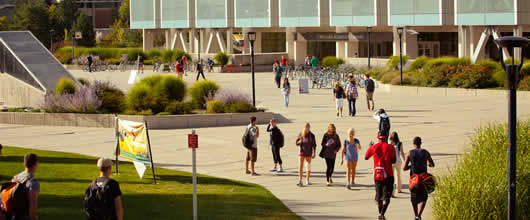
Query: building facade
<point x="342" y="28"/>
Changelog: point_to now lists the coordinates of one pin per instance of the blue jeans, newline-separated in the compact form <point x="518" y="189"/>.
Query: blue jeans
<point x="286" y="99"/>
<point x="351" y="106"/>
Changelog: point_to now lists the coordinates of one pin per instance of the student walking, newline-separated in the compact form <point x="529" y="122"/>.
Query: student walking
<point x="277" y="70"/>
<point x="416" y="161"/>
<point x="330" y="147"/>
<point x="140" y="62"/>
<point x="307" y="148"/>
<point x="384" y="155"/>
<point x="338" y="94"/>
<point x="283" y="63"/>
<point x="180" y="69"/>
<point x="351" y="94"/>
<point x="89" y="60"/>
<point x="286" y="90"/>
<point x="31" y="191"/>
<point x="350" y="154"/>
<point x="252" y="152"/>
<point x="200" y="70"/>
<point x="383" y="121"/>
<point x="307" y="60"/>
<point x="276" y="142"/>
<point x="370" y="88"/>
<point x="103" y="196"/>
<point x="314" y="62"/>
<point x="396" y="167"/>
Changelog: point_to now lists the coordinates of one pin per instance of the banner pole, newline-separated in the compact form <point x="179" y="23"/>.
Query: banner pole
<point x="194" y="179"/>
<point x="150" y="153"/>
<point x="116" y="133"/>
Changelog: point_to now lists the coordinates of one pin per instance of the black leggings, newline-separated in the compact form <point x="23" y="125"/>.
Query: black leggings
<point x="276" y="155"/>
<point x="199" y="73"/>
<point x="331" y="166"/>
<point x="278" y="80"/>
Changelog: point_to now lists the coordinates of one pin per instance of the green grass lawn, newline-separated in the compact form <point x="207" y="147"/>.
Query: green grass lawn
<point x="64" y="177"/>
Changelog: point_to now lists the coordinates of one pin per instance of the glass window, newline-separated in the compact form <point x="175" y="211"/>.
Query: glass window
<point x="142" y="14"/>
<point x="273" y="42"/>
<point x="352" y="13"/>
<point x="415" y="12"/>
<point x="299" y="13"/>
<point x="485" y="12"/>
<point x="174" y="13"/>
<point x="252" y="13"/>
<point x="210" y="13"/>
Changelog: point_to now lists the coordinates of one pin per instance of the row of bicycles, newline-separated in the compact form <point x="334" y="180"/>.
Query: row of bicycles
<point x="324" y="77"/>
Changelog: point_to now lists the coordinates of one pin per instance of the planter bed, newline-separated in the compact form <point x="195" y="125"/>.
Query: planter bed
<point x="153" y="122"/>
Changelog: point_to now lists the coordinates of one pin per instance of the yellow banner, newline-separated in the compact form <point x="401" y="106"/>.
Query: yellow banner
<point x="132" y="139"/>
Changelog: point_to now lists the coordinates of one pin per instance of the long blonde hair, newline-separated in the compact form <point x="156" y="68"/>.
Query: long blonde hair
<point x="334" y="130"/>
<point x="337" y="84"/>
<point x="351" y="130"/>
<point x="306" y="130"/>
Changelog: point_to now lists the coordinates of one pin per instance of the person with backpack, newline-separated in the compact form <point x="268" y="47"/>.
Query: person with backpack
<point x="19" y="199"/>
<point x="250" y="141"/>
<point x="200" y="70"/>
<point x="338" y="94"/>
<point x="286" y="90"/>
<point x="307" y="148"/>
<point x="349" y="153"/>
<point x="140" y="63"/>
<point x="180" y="69"/>
<point x="210" y="65"/>
<point x="370" y="88"/>
<point x="384" y="155"/>
<point x="384" y="122"/>
<point x="416" y="160"/>
<point x="277" y="70"/>
<point x="89" y="60"/>
<point x="103" y="196"/>
<point x="330" y="146"/>
<point x="351" y="95"/>
<point x="276" y="141"/>
<point x="394" y="141"/>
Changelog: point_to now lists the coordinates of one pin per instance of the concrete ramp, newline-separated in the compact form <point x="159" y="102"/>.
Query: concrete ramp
<point x="23" y="57"/>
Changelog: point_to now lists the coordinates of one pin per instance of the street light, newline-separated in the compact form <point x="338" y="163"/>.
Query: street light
<point x="400" y="32"/>
<point x="252" y="38"/>
<point x="51" y="40"/>
<point x="512" y="73"/>
<point x="199" y="46"/>
<point x="369" y="29"/>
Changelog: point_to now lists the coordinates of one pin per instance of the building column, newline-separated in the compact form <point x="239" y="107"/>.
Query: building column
<point x="352" y="49"/>
<point x="246" y="42"/>
<point x="257" y="43"/>
<point x="148" y="39"/>
<point x="229" y="41"/>
<point x="300" y="49"/>
<point x="192" y="43"/>
<point x="410" y="45"/>
<point x="463" y="41"/>
<point x="395" y="42"/>
<point x="168" y="39"/>
<point x="518" y="32"/>
<point x="289" y="45"/>
<point x="340" y="50"/>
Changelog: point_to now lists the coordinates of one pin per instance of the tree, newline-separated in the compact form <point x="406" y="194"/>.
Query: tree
<point x="66" y="10"/>
<point x="125" y="13"/>
<point x="84" y="25"/>
<point x="4" y="23"/>
<point x="32" y="16"/>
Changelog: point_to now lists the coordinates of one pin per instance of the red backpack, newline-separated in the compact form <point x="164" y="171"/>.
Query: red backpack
<point x="379" y="168"/>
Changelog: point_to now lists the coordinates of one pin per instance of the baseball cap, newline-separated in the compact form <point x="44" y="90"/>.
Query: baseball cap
<point x="104" y="162"/>
<point x="381" y="135"/>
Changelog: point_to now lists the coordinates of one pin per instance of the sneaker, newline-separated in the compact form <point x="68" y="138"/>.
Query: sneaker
<point x="255" y="174"/>
<point x="247" y="172"/>
<point x="337" y="114"/>
<point x="307" y="182"/>
<point x="348" y="186"/>
<point x="299" y="183"/>
<point x="273" y="170"/>
<point x="280" y="170"/>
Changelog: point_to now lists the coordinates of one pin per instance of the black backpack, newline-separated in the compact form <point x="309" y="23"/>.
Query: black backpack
<point x="17" y="198"/>
<point x="247" y="139"/>
<point x="96" y="204"/>
<point x="384" y="125"/>
<point x="370" y="86"/>
<point x="281" y="140"/>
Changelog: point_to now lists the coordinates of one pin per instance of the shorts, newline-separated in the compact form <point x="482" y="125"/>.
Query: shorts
<point x="383" y="189"/>
<point x="252" y="154"/>
<point x="419" y="196"/>
<point x="339" y="103"/>
<point x="369" y="95"/>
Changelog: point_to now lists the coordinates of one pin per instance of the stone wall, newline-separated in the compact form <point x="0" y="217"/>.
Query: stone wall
<point x="16" y="93"/>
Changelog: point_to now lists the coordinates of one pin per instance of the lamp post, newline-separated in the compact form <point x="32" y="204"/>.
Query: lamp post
<point x="199" y="46"/>
<point x="512" y="73"/>
<point x="400" y="33"/>
<point x="51" y="40"/>
<point x="252" y="38"/>
<point x="369" y="29"/>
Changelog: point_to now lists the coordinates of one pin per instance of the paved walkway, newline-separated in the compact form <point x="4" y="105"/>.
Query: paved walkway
<point x="444" y="123"/>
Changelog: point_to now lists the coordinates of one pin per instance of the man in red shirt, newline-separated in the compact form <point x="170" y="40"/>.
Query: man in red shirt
<point x="384" y="156"/>
<point x="180" y="69"/>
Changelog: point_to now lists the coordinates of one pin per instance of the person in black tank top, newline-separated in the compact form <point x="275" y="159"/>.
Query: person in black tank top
<point x="418" y="159"/>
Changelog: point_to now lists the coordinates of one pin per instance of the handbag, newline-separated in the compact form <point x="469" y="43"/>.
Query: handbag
<point x="414" y="182"/>
<point x="379" y="169"/>
<point x="424" y="179"/>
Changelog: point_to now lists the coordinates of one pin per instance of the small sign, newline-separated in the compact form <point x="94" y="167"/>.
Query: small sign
<point x="193" y="141"/>
<point x="78" y="35"/>
<point x="303" y="85"/>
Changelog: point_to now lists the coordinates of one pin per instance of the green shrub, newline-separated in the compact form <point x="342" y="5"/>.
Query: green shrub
<point x="500" y="78"/>
<point x="36" y="110"/>
<point x="179" y="53"/>
<point x="388" y="77"/>
<point x="525" y="70"/>
<point x="155" y="93"/>
<point x="509" y="61"/>
<point x="463" y="61"/>
<point x="154" y="54"/>
<point x="418" y="63"/>
<point x="375" y="74"/>
<point x="493" y="65"/>
<point x="239" y="107"/>
<point x="221" y="58"/>
<point x="145" y="112"/>
<point x="476" y="186"/>
<point x="65" y="86"/>
<point x="132" y="54"/>
<point x="473" y="77"/>
<point x="201" y="90"/>
<point x="167" y="56"/>
<point x="439" y="75"/>
<point x="84" y="81"/>
<point x="525" y="84"/>
<point x="331" y="61"/>
<point x="179" y="108"/>
<point x="393" y="62"/>
<point x="407" y="80"/>
<point x="214" y="106"/>
<point x="163" y="113"/>
<point x="112" y="99"/>
<point x="15" y="110"/>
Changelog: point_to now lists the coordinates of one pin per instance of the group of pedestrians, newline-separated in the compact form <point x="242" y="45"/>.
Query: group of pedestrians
<point x="278" y="68"/>
<point x="349" y="92"/>
<point x="19" y="199"/>
<point x="387" y="155"/>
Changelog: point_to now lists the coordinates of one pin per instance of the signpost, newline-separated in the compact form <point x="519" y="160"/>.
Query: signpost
<point x="193" y="143"/>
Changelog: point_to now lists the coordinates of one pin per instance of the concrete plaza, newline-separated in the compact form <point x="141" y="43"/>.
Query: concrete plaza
<point x="444" y="120"/>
